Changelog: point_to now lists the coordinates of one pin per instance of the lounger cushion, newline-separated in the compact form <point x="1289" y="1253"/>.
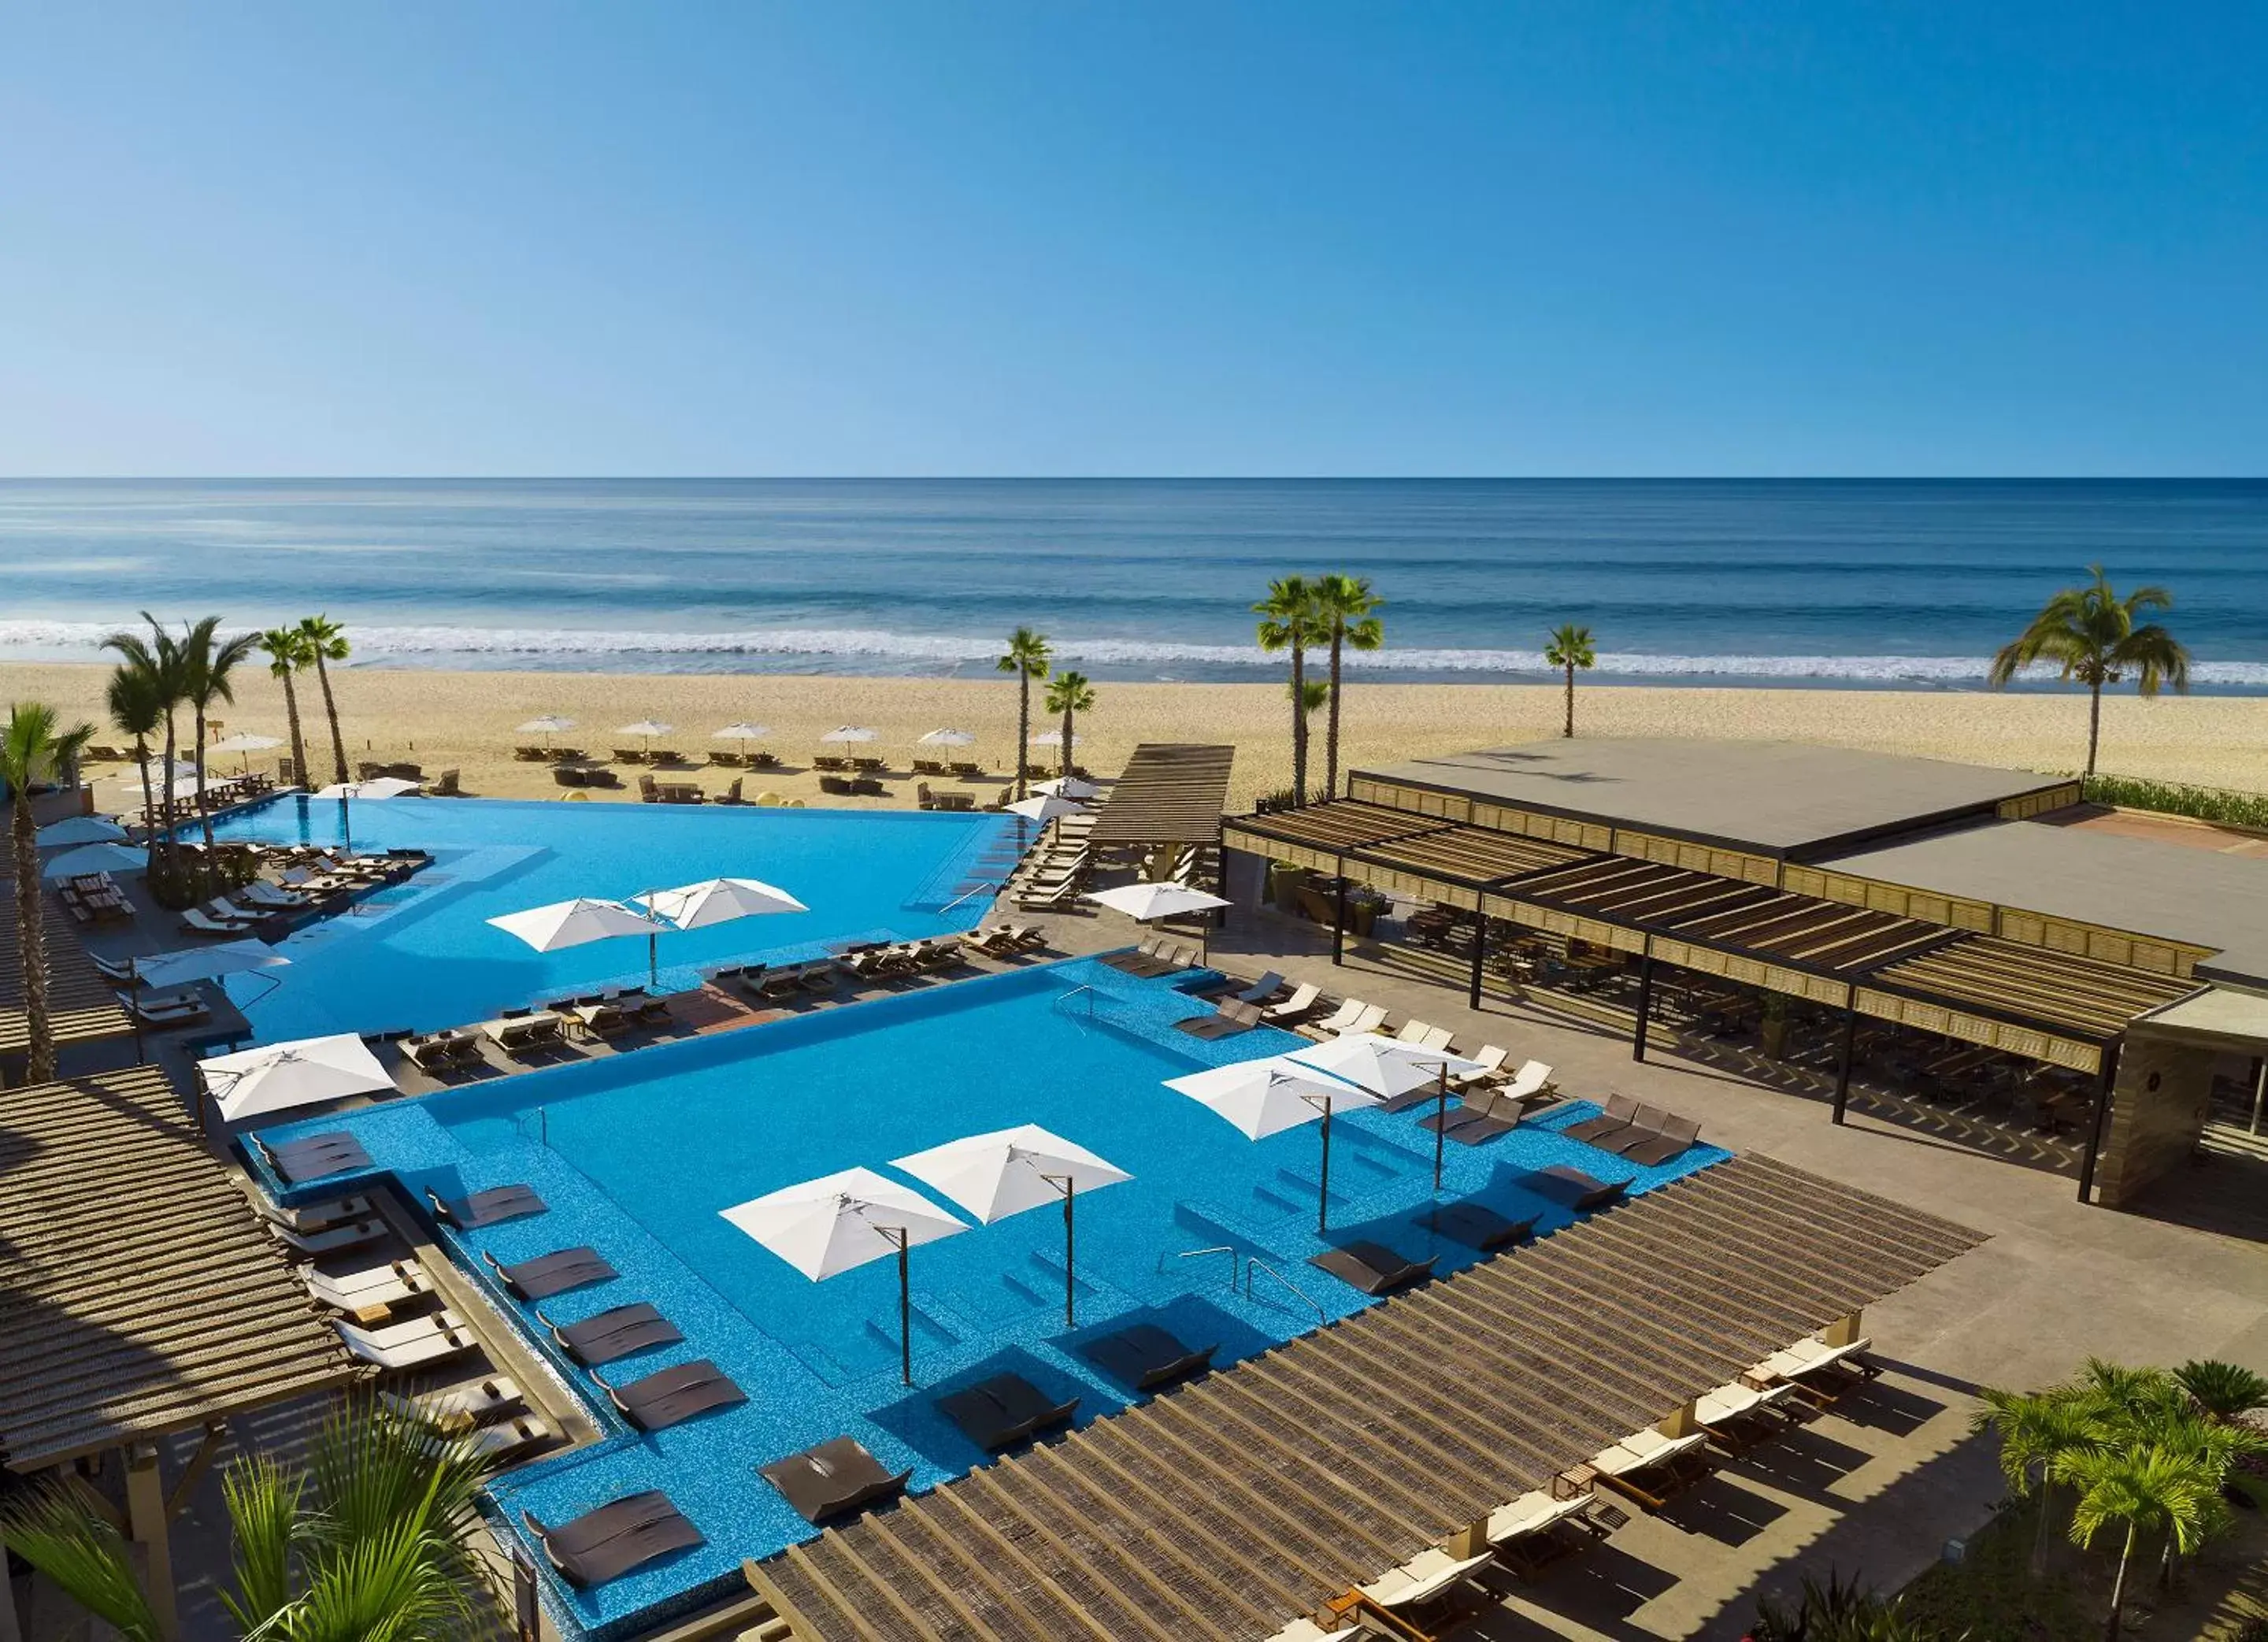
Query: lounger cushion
<point x="837" y="1475"/>
<point x="675" y="1395"/>
<point x="1370" y="1267"/>
<point x="625" y="1534"/>
<point x="492" y="1207"/>
<point x="555" y="1273"/>
<point x="1146" y="1356"/>
<point x="614" y="1333"/>
<point x="1476" y="1226"/>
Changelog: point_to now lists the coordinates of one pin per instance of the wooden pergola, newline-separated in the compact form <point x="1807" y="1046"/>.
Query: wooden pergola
<point x="1169" y="794"/>
<point x="82" y="1008"/>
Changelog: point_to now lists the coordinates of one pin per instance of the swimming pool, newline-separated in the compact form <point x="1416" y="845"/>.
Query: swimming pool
<point x="423" y="955"/>
<point x="637" y="1155"/>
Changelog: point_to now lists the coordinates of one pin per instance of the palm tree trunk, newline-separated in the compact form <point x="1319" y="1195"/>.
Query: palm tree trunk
<point x="173" y="743"/>
<point x="1066" y="742"/>
<point x="1569" y="732"/>
<point x="1331" y="726"/>
<point x="32" y="945"/>
<point x="2039" y="1559"/>
<point x="1298" y="725"/>
<point x="204" y="810"/>
<point x="2094" y="723"/>
<point x="148" y="804"/>
<point x="1023" y="724"/>
<point x="331" y="712"/>
<point x="2119" y="1584"/>
<point x="291" y="716"/>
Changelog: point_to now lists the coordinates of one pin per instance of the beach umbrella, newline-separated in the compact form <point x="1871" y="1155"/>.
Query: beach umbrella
<point x="1068" y="787"/>
<point x="716" y="901"/>
<point x="1388" y="1068"/>
<point x="1048" y="737"/>
<point x="947" y="738"/>
<point x="742" y="730"/>
<point x="841" y="1221"/>
<point x="1044" y="807"/>
<point x="247" y="743"/>
<point x="562" y="924"/>
<point x="1010" y="1170"/>
<point x="186" y="964"/>
<point x="79" y="829"/>
<point x="1146" y="903"/>
<point x="1266" y="1097"/>
<point x="547" y="727"/>
<point x="647" y="728"/>
<point x="307" y="1071"/>
<point x="376" y="787"/>
<point x="96" y="857"/>
<point x="848" y="733"/>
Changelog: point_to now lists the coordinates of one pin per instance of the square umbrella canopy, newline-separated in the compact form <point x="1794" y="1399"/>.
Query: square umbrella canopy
<point x="205" y="963"/>
<point x="245" y="742"/>
<point x="1266" y="1097"/>
<point x="947" y="738"/>
<point x="849" y="733"/>
<point x="377" y="787"/>
<point x="1069" y="787"/>
<point x="1388" y="1067"/>
<point x="646" y="727"/>
<point x="97" y="858"/>
<point x="742" y="730"/>
<point x="276" y="1076"/>
<point x="550" y="724"/>
<point x="1044" y="807"/>
<point x="1145" y="903"/>
<point x="716" y="901"/>
<point x="573" y="922"/>
<point x="79" y="829"/>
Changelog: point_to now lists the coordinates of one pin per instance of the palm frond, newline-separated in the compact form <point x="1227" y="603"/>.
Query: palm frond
<point x="264" y="1505"/>
<point x="84" y="1555"/>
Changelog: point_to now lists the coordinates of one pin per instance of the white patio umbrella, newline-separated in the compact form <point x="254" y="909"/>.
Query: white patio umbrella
<point x="716" y="901"/>
<point x="839" y="1221"/>
<point x="1069" y="787"/>
<point x="1010" y="1170"/>
<point x="79" y="829"/>
<point x="247" y="743"/>
<point x="97" y="858"/>
<point x="1048" y="737"/>
<point x="1044" y="807"/>
<point x="376" y="787"/>
<point x="548" y="725"/>
<point x="276" y="1076"/>
<point x="1266" y="1097"/>
<point x="848" y="733"/>
<point x="742" y="730"/>
<point x="1145" y="903"/>
<point x="562" y="924"/>
<point x="1388" y="1068"/>
<point x="947" y="738"/>
<point x="204" y="963"/>
<point x="646" y="727"/>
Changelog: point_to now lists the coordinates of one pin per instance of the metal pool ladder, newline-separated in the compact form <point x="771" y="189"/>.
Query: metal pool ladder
<point x="1253" y="1263"/>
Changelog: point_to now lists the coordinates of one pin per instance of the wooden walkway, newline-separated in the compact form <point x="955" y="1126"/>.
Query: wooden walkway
<point x="1225" y="1508"/>
<point x="80" y="1003"/>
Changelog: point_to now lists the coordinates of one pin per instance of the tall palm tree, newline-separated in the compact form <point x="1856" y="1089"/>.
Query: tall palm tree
<point x="1068" y="693"/>
<point x="1026" y="657"/>
<point x="373" y="1541"/>
<point x="327" y="641"/>
<point x="287" y="653"/>
<point x="1348" y="609"/>
<point x="159" y="660"/>
<point x="138" y="709"/>
<point x="1288" y="621"/>
<point x="2095" y="637"/>
<point x="1570" y="647"/>
<point x="33" y="750"/>
<point x="2038" y="1433"/>
<point x="209" y="663"/>
<point x="2154" y="1491"/>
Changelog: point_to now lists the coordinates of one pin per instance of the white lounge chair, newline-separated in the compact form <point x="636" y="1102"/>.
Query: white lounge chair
<point x="1731" y="1402"/>
<point x="1371" y="1018"/>
<point x="1532" y="1512"/>
<point x="1808" y="1357"/>
<point x="331" y="1240"/>
<point x="456" y="1406"/>
<point x="374" y="1288"/>
<point x="1436" y="1038"/>
<point x="1414" y="1031"/>
<point x="408" y="1344"/>
<point x="1642" y="1448"/>
<point x="1423" y="1578"/>
<point x="266" y="897"/>
<point x="196" y="923"/>
<point x="1302" y="999"/>
<point x="1532" y="1078"/>
<point x="1349" y="1010"/>
<point x="509" y="1437"/>
<point x="314" y="1217"/>
<point x="1488" y="1064"/>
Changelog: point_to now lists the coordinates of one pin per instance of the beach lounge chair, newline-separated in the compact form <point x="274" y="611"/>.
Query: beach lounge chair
<point x="313" y="1158"/>
<point x="1370" y="1267"/>
<point x="170" y="1010"/>
<point x="454" y="1407"/>
<point x="622" y="1534"/>
<point x="616" y="1332"/>
<point x="1487" y="1067"/>
<point x="837" y="1476"/>
<point x="331" y="1240"/>
<point x="627" y="755"/>
<point x="1571" y="1189"/>
<point x="1738" y="1417"/>
<point x="198" y="923"/>
<point x="1429" y="1577"/>
<point x="1619" y="1113"/>
<point x="1260" y="991"/>
<point x="1531" y="1085"/>
<point x="604" y="1020"/>
<point x="267" y="897"/>
<point x="967" y="769"/>
<point x="1480" y="1116"/>
<point x="1228" y="1019"/>
<point x="1414" y="1032"/>
<point x="1669" y="1140"/>
<point x="1526" y="1535"/>
<point x="314" y="1217"/>
<point x="1346" y="1014"/>
<point x="1003" y="1410"/>
<point x="507" y="1439"/>
<point x="1148" y="951"/>
<point x="436" y="1054"/>
<point x="1437" y="1038"/>
<point x="1476" y="1226"/>
<point x="1649" y="1468"/>
<point x="550" y="1274"/>
<point x="117" y="971"/>
<point x="368" y="1292"/>
<point x="1146" y="1357"/>
<point x="492" y="1207"/>
<point x="1820" y="1373"/>
<point x="1296" y="1007"/>
<point x="1371" y="1018"/>
<point x="673" y="1396"/>
<point x="410" y="1344"/>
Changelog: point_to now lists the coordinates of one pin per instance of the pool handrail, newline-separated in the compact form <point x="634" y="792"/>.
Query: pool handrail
<point x="1251" y="1261"/>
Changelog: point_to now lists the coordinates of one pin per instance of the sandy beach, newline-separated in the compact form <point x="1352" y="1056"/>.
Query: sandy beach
<point x="465" y="721"/>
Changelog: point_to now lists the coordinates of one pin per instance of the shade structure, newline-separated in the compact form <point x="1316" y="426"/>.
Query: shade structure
<point x="96" y="857"/>
<point x="550" y="724"/>
<point x="840" y="1221"/>
<point x="1044" y="807"/>
<point x="716" y="901"/>
<point x="1147" y="902"/>
<point x="1388" y="1067"/>
<point x="741" y="730"/>
<point x="206" y="963"/>
<point x="573" y="922"/>
<point x="79" y="829"/>
<point x="1266" y="1097"/>
<point x="1007" y="1171"/>
<point x="947" y="738"/>
<point x="849" y="733"/>
<point x="1074" y="787"/>
<point x="377" y="787"/>
<point x="245" y="742"/>
<point x="646" y="727"/>
<point x="276" y="1076"/>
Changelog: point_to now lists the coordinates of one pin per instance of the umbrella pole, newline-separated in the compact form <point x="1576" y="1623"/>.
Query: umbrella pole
<point x="134" y="1003"/>
<point x="1323" y="1193"/>
<point x="905" y="1310"/>
<point x="1440" y="1124"/>
<point x="1070" y="1192"/>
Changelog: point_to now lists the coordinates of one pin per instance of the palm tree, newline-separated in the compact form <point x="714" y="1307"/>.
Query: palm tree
<point x="2153" y="1490"/>
<point x="2223" y="1391"/>
<point x="1570" y="647"/>
<point x="158" y="661"/>
<point x="373" y="1541"/>
<point x="138" y="709"/>
<point x="1346" y="606"/>
<point x="2093" y="636"/>
<point x="208" y="665"/>
<point x="1288" y="621"/>
<point x="1068" y="693"/>
<point x="327" y="641"/>
<point x="1026" y="657"/>
<point x="2038" y="1433"/>
<point x="287" y="653"/>
<point x="33" y="750"/>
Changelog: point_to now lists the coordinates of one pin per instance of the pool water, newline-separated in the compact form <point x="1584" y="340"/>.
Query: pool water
<point x="423" y="955"/>
<point x="639" y="1154"/>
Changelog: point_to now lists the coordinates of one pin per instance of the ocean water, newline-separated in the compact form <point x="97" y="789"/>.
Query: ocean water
<point x="1823" y="582"/>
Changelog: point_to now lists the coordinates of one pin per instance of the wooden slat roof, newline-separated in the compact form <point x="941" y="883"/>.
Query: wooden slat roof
<point x="1474" y="855"/>
<point x="1168" y="793"/>
<point x="2084" y="994"/>
<point x="138" y="1294"/>
<point x="81" y="1005"/>
<point x="1342" y="824"/>
<point x="1222" y="1509"/>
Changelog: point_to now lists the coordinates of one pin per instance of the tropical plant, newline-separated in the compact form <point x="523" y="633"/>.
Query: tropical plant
<point x="209" y="664"/>
<point x="136" y="708"/>
<point x="2095" y="638"/>
<point x="157" y="662"/>
<point x="371" y="1543"/>
<point x="326" y="642"/>
<point x="1348" y="609"/>
<point x="1026" y="657"/>
<point x="2037" y="1431"/>
<point x="33" y="750"/>
<point x="1570" y="647"/>
<point x="1313" y="693"/>
<point x="2150" y="1491"/>
<point x="1068" y="694"/>
<point x="2223" y="1391"/>
<point x="288" y="654"/>
<point x="1289" y="622"/>
<point x="1840" y="1612"/>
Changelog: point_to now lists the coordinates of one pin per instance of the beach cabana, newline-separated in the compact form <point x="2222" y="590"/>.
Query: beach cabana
<point x="278" y="1077"/>
<point x="79" y="829"/>
<point x="1260" y="1098"/>
<point x="838" y="1222"/>
<point x="1010" y="1170"/>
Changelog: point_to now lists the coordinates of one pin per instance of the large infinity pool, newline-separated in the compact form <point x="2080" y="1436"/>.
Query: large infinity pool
<point x="423" y="955"/>
<point x="637" y="1155"/>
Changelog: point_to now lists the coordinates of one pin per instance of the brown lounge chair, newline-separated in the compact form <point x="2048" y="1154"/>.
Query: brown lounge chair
<point x="1146" y="1357"/>
<point x="315" y="1157"/>
<point x="1370" y="1267"/>
<point x="1003" y="1410"/>
<point x="1476" y="1226"/>
<point x="492" y="1207"/>
<point x="1571" y="1189"/>
<point x="554" y="1273"/>
<point x="1621" y="1111"/>
<point x="1669" y="1139"/>
<point x="606" y="1544"/>
<point x="673" y="1396"/>
<point x="613" y="1333"/>
<point x="838" y="1475"/>
<point x="1228" y="1019"/>
<point x="1478" y="1117"/>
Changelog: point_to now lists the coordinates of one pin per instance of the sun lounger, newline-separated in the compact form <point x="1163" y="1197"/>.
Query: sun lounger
<point x="1620" y="1112"/>
<point x="1476" y="1226"/>
<point x="1296" y="1007"/>
<point x="492" y="1207"/>
<point x="1003" y="1410"/>
<point x="410" y="1344"/>
<point x="454" y="1407"/>
<point x="176" y="1009"/>
<point x="268" y="898"/>
<point x="1371" y="1018"/>
<point x="1737" y="1416"/>
<point x="508" y="1438"/>
<point x="618" y="1332"/>
<point x="1479" y="1116"/>
<point x="117" y="971"/>
<point x="1370" y="1267"/>
<point x="374" y="1291"/>
<point x="1534" y="1531"/>
<point x="1146" y="1357"/>
<point x="550" y="1274"/>
<point x="1262" y="989"/>
<point x="673" y="1396"/>
<point x="1228" y="1019"/>
<point x="1672" y="1138"/>
<point x="1571" y="1189"/>
<point x="196" y="923"/>
<point x="1414" y="1032"/>
<point x="1487" y="1067"/>
<point x="1533" y="1513"/>
<point x="1425" y="1578"/>
<point x="837" y="1476"/>
<point x="1808" y="1361"/>
<point x="314" y="1158"/>
<point x="1645" y="1452"/>
<point x="1346" y="1014"/>
<point x="606" y="1544"/>
<point x="331" y="1240"/>
<point x="314" y="1217"/>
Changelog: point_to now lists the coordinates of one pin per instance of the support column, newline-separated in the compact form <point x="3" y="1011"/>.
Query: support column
<point x="2259" y="1089"/>
<point x="145" y="1526"/>
<point x="1480" y="955"/>
<point x="1843" y="1063"/>
<point x="11" y="1629"/>
<point x="527" y="1612"/>
<point x="2102" y="1118"/>
<point x="1339" y="918"/>
<point x="1645" y="1002"/>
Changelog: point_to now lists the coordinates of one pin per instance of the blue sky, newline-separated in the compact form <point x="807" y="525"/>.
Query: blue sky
<point x="1152" y="237"/>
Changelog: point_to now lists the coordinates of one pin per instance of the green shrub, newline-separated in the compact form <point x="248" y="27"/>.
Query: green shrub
<point x="2172" y="797"/>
